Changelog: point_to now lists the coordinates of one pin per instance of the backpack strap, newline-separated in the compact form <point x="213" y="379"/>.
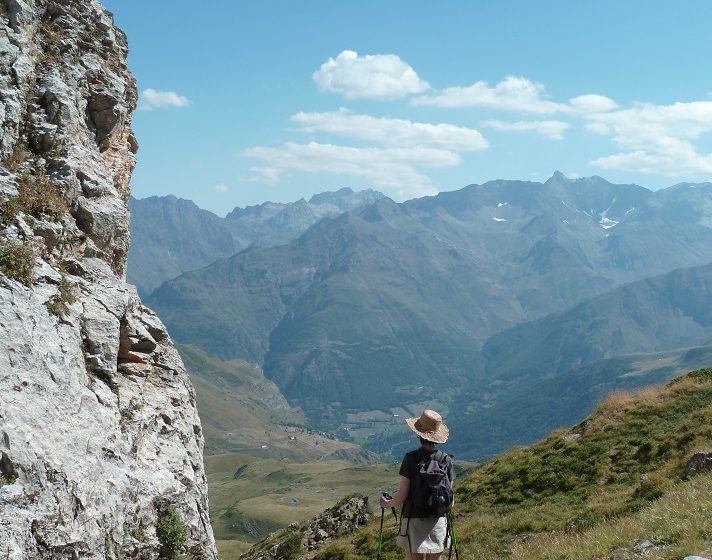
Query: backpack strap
<point x="448" y="465"/>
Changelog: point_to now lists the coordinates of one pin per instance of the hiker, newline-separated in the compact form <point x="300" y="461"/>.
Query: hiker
<point x="423" y="531"/>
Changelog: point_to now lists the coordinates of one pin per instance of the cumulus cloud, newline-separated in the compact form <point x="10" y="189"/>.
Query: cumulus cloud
<point x="394" y="170"/>
<point x="265" y="175"/>
<point x="597" y="128"/>
<point x="547" y="129"/>
<point x="592" y="103"/>
<point x="657" y="138"/>
<point x="221" y="188"/>
<point x="392" y="132"/>
<point x="512" y="94"/>
<point x="378" y="77"/>
<point x="151" y="99"/>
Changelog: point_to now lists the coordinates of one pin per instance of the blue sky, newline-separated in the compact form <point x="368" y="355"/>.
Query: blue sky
<point x="243" y="102"/>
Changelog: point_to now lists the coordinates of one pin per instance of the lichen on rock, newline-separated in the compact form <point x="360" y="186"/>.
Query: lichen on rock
<point x="99" y="433"/>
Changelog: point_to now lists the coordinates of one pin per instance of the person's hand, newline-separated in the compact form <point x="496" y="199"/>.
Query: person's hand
<point x="385" y="502"/>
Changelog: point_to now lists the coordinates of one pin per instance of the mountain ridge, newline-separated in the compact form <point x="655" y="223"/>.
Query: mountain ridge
<point x="402" y="296"/>
<point x="173" y="235"/>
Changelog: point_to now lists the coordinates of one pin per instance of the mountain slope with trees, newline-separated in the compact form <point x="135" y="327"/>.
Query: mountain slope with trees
<point x="391" y="305"/>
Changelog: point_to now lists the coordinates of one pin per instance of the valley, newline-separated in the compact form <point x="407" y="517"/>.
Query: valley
<point x="250" y="497"/>
<point x="618" y="484"/>
<point x="265" y="467"/>
<point x="460" y="302"/>
<point x="203" y="357"/>
<point x="370" y="317"/>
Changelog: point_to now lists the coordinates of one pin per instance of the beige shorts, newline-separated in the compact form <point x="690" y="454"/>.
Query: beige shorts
<point x="425" y="535"/>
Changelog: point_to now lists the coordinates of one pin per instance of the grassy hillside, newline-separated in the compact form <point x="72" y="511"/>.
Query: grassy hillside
<point x="592" y="490"/>
<point x="240" y="410"/>
<point x="265" y="468"/>
<point x="250" y="498"/>
<point x="529" y="412"/>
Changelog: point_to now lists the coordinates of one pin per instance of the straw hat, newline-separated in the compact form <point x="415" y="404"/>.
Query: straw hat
<point x="429" y="426"/>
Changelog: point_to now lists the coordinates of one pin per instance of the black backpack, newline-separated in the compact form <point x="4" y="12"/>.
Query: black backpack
<point x="433" y="488"/>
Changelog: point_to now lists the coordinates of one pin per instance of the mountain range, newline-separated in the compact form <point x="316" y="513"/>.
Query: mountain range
<point x="435" y="301"/>
<point x="172" y="235"/>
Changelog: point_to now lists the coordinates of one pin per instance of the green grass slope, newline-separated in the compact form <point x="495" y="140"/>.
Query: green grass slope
<point x="265" y="467"/>
<point x="239" y="409"/>
<point x="590" y="491"/>
<point x="528" y="413"/>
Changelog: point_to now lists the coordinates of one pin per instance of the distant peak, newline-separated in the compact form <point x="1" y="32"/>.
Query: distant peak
<point x="379" y="210"/>
<point x="346" y="198"/>
<point x="558" y="176"/>
<point x="327" y="196"/>
<point x="165" y="200"/>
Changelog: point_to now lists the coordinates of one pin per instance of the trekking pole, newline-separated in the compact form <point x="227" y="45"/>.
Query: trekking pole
<point x="387" y="496"/>
<point x="380" y="537"/>
<point x="453" y="539"/>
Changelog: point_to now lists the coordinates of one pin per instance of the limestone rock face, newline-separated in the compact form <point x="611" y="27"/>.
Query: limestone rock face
<point x="99" y="433"/>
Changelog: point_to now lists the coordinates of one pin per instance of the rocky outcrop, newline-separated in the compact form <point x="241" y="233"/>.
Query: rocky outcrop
<point x="698" y="464"/>
<point x="300" y="542"/>
<point x="644" y="549"/>
<point x="100" y="441"/>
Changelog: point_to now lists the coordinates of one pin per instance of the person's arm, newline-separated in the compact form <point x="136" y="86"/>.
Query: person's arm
<point x="400" y="497"/>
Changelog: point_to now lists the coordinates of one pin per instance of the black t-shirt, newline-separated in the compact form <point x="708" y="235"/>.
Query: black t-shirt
<point x="410" y="468"/>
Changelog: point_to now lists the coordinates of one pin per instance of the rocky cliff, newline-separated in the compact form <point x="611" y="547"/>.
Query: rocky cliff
<point x="304" y="541"/>
<point x="100" y="441"/>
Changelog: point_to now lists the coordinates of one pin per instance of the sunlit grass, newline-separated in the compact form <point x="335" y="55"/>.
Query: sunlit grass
<point x="605" y="484"/>
<point x="681" y="522"/>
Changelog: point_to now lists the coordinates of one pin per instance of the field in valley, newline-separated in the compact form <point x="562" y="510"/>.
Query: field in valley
<point x="251" y="497"/>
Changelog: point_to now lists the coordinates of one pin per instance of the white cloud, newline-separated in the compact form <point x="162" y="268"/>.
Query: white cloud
<point x="512" y="94"/>
<point x="394" y="170"/>
<point x="221" y="188"/>
<point x="379" y="77"/>
<point x="547" y="129"/>
<point x="151" y="99"/>
<point x="597" y="128"/>
<point x="265" y="175"/>
<point x="658" y="138"/>
<point x="392" y="132"/>
<point x="592" y="103"/>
